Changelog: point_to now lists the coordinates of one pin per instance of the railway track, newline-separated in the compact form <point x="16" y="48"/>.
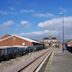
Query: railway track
<point x="29" y="63"/>
<point x="33" y="66"/>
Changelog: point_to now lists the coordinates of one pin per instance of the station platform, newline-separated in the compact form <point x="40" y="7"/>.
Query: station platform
<point x="59" y="61"/>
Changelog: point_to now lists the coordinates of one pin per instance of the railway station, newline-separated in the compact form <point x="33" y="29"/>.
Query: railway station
<point x="35" y="35"/>
<point x="33" y="56"/>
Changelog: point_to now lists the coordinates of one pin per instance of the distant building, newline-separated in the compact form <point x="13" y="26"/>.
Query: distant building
<point x="69" y="45"/>
<point x="51" y="41"/>
<point x="46" y="41"/>
<point x="15" y="40"/>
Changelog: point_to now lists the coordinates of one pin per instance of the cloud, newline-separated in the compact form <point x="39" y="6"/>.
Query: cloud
<point x="6" y="25"/>
<point x="36" y="14"/>
<point x="12" y="8"/>
<point x="41" y="15"/>
<point x="26" y="10"/>
<point x="25" y="23"/>
<point x="57" y="23"/>
<point x="3" y="12"/>
<point x="11" y="12"/>
<point x="39" y="34"/>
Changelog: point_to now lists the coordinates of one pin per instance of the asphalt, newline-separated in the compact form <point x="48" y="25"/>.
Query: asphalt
<point x="59" y="61"/>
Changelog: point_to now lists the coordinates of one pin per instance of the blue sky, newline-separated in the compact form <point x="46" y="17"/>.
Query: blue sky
<point x="35" y="18"/>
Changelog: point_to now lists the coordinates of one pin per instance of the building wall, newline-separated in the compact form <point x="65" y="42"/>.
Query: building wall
<point x="51" y="42"/>
<point x="15" y="41"/>
<point x="69" y="43"/>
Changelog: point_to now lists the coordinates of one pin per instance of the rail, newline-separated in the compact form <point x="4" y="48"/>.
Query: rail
<point x="30" y="63"/>
<point x="37" y="64"/>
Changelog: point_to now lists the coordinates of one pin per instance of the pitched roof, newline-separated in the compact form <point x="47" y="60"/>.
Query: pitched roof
<point x="4" y="36"/>
<point x="53" y="38"/>
<point x="69" y="41"/>
<point x="20" y="37"/>
<point x="45" y="38"/>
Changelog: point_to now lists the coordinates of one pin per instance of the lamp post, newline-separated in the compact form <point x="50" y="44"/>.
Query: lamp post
<point x="62" y="14"/>
<point x="63" y="30"/>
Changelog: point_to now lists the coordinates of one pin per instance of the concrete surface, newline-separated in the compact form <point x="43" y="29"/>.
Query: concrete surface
<point x="60" y="62"/>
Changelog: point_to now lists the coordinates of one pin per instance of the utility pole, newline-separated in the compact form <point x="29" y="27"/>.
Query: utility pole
<point x="63" y="30"/>
<point x="62" y="15"/>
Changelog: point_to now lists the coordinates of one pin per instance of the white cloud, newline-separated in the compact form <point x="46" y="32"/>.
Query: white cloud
<point x="25" y="23"/>
<point x="56" y="24"/>
<point x="6" y="25"/>
<point x="12" y="8"/>
<point x="39" y="34"/>
<point x="56" y="21"/>
<point x="3" y="12"/>
<point x="26" y="10"/>
<point x="33" y="33"/>
<point x="46" y="15"/>
<point x="11" y="12"/>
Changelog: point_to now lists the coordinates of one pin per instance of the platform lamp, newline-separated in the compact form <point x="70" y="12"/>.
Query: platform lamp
<point x="62" y="14"/>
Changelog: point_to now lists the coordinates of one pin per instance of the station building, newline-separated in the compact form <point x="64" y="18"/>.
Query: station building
<point x="51" y="41"/>
<point x="15" y="40"/>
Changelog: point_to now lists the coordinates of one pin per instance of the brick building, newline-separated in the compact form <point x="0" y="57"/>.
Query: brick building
<point x="15" y="40"/>
<point x="69" y="45"/>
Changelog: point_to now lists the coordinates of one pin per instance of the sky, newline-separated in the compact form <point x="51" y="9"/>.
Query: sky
<point x="36" y="18"/>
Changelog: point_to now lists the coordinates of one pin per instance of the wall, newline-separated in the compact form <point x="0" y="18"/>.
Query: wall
<point x="15" y="41"/>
